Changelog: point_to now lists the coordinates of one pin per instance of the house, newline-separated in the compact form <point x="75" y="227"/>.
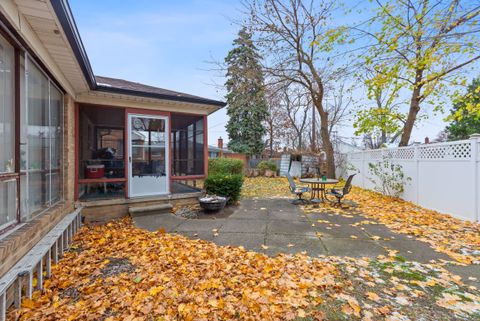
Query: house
<point x="218" y="151"/>
<point x="72" y="140"/>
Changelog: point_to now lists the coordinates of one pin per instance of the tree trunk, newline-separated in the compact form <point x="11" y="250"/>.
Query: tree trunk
<point x="326" y="142"/>
<point x="314" y="130"/>
<point x="328" y="148"/>
<point x="412" y="116"/>
<point x="271" y="140"/>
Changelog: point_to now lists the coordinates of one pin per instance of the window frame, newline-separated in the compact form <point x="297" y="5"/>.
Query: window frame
<point x="7" y="176"/>
<point x="31" y="215"/>
<point x="22" y="51"/>
<point x="205" y="148"/>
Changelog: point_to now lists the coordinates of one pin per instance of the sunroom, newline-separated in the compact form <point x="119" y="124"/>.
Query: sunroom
<point x="133" y="149"/>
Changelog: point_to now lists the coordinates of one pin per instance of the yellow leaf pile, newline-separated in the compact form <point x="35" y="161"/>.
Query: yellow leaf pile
<point x="119" y="272"/>
<point x="457" y="238"/>
<point x="258" y="187"/>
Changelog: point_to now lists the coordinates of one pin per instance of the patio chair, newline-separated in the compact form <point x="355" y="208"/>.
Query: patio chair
<point x="341" y="192"/>
<point x="297" y="190"/>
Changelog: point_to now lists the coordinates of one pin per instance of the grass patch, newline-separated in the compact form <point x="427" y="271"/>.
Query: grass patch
<point x="409" y="275"/>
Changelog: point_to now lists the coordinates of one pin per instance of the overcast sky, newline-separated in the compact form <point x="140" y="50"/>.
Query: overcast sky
<point x="169" y="44"/>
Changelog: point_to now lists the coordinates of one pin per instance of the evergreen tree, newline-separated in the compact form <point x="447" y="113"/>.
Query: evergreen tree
<point x="465" y="121"/>
<point x="247" y="106"/>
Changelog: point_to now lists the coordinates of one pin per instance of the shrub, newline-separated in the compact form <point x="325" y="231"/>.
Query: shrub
<point x="225" y="185"/>
<point x="225" y="166"/>
<point x="267" y="165"/>
<point x="388" y="178"/>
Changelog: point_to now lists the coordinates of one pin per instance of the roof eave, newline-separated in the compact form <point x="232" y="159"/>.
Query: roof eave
<point x="65" y="17"/>
<point x="116" y="90"/>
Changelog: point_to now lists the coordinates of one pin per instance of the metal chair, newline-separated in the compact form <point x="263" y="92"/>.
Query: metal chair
<point x="298" y="191"/>
<point x="340" y="193"/>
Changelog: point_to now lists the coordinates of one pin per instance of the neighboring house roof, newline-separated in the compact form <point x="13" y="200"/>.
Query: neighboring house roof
<point x="344" y="147"/>
<point x="112" y="85"/>
<point x="216" y="149"/>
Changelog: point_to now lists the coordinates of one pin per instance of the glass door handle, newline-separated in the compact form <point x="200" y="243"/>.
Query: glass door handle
<point x="129" y="159"/>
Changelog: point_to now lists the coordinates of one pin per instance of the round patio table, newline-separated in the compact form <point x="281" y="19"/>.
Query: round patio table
<point x="318" y="187"/>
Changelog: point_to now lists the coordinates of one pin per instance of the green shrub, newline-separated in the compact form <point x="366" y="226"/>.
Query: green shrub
<point x="388" y="177"/>
<point x="267" y="165"/>
<point x="225" y="185"/>
<point x="225" y="166"/>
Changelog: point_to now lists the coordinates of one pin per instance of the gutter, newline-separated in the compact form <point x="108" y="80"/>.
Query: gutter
<point x="64" y="14"/>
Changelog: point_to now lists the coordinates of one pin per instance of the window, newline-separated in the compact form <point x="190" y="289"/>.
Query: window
<point x="102" y="155"/>
<point x="7" y="107"/>
<point x="41" y="142"/>
<point x="187" y="145"/>
<point x="8" y="181"/>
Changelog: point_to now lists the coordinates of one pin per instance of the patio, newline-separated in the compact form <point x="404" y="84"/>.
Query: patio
<point x="273" y="226"/>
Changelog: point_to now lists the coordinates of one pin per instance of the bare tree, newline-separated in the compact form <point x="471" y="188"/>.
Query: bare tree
<point x="338" y="102"/>
<point x="297" y="105"/>
<point x="276" y="121"/>
<point x="295" y="38"/>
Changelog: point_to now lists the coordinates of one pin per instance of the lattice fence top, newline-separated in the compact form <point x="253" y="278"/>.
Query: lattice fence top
<point x="400" y="153"/>
<point x="460" y="150"/>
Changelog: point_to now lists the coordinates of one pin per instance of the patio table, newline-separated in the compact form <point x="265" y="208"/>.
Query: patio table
<point x="318" y="187"/>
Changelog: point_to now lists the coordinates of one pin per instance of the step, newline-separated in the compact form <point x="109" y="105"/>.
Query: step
<point x="148" y="209"/>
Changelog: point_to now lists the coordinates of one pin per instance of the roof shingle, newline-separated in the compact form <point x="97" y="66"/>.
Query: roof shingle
<point x="109" y="84"/>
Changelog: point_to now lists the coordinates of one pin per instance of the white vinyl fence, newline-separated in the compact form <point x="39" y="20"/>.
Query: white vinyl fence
<point x="444" y="176"/>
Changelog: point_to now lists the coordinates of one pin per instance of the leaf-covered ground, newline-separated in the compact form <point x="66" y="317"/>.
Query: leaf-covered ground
<point x="454" y="237"/>
<point x="120" y="272"/>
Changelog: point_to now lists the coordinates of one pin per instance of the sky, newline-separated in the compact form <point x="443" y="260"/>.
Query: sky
<point x="172" y="44"/>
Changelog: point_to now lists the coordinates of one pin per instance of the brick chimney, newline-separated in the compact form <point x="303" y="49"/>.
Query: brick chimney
<point x="220" y="146"/>
<point x="220" y="142"/>
<point x="427" y="140"/>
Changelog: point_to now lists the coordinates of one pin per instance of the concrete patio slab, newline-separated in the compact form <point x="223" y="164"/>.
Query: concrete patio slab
<point x="342" y="231"/>
<point x="290" y="227"/>
<point x="352" y="248"/>
<point x="383" y="232"/>
<point x="248" y="214"/>
<point x="292" y="244"/>
<point x="154" y="222"/>
<point x="196" y="225"/>
<point x="244" y="226"/>
<point x="336" y="218"/>
<point x="284" y="228"/>
<point x="470" y="273"/>
<point x="289" y="215"/>
<point x="414" y="250"/>
<point x="250" y="241"/>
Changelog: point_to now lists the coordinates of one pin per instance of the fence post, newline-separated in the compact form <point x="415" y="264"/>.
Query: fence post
<point x="364" y="174"/>
<point x="416" y="157"/>
<point x="475" y="141"/>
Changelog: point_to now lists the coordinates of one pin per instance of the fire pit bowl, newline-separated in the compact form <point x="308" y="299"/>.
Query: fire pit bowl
<point x="212" y="203"/>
